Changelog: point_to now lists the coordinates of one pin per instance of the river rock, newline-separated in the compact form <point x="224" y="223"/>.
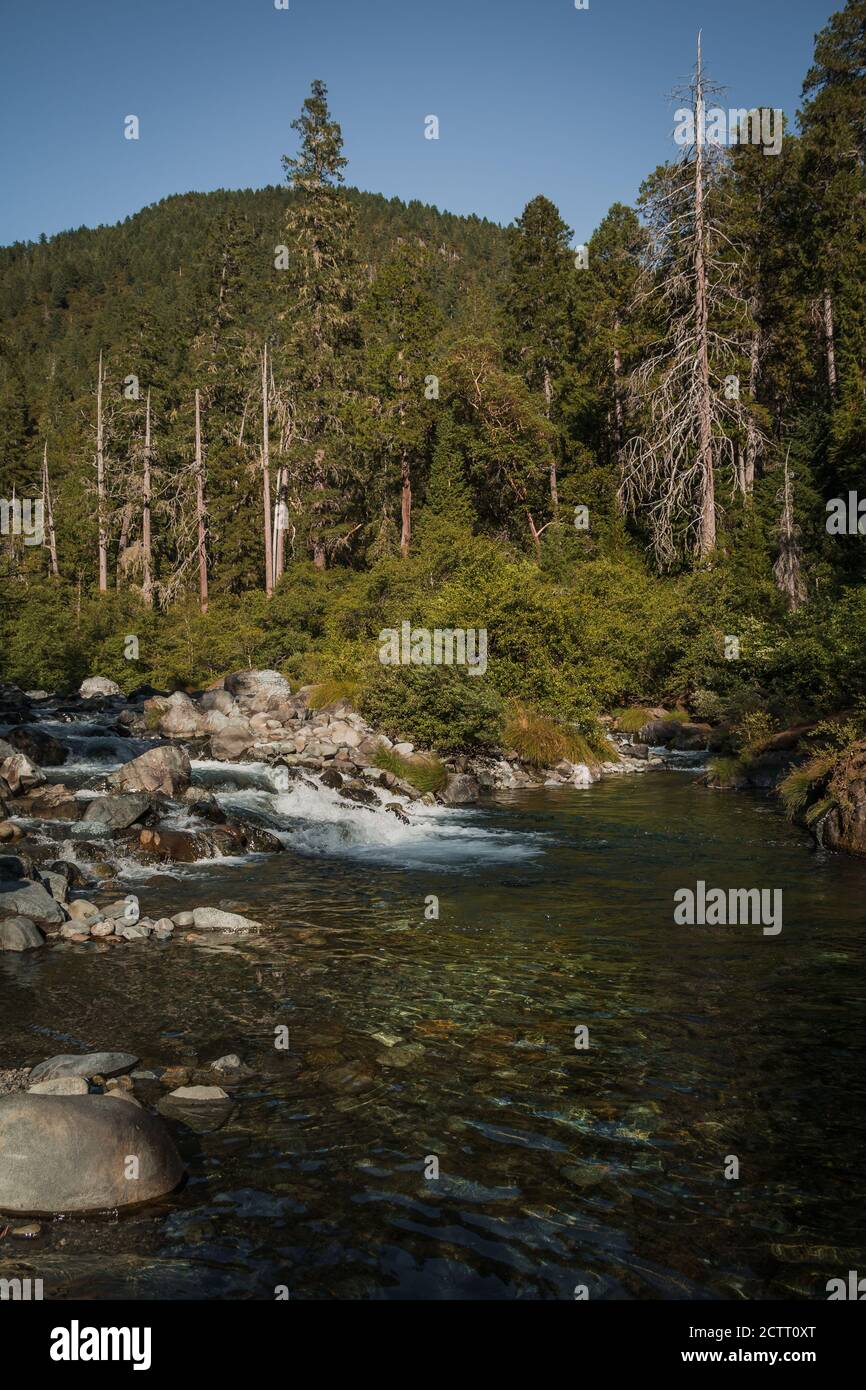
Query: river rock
<point x="20" y="772"/>
<point x="42" y="748"/>
<point x="214" y="919"/>
<point x="53" y="802"/>
<point x="20" y="934"/>
<point x="232" y="741"/>
<point x="71" y="1153"/>
<point x="24" y="898"/>
<point x="119" y="811"/>
<point x="87" y="1064"/>
<point x="164" y="770"/>
<point x="127" y="910"/>
<point x="180" y="718"/>
<point x="10" y="832"/>
<point x="98" y="685"/>
<point x="460" y="789"/>
<point x="252" y="685"/>
<point x="199" y="1093"/>
<point x="218" y="702"/>
<point x="61" y="1086"/>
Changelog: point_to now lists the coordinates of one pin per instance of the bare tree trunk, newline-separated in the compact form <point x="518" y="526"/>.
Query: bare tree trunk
<point x="318" y="486"/>
<point x="788" y="568"/>
<point x="751" y="430"/>
<point x="830" y="339"/>
<point x="49" y="513"/>
<point x="405" y="506"/>
<point x="266" y="479"/>
<point x="100" y="487"/>
<point x="199" y="508"/>
<point x="280" y="527"/>
<point x="548" y="399"/>
<point x="126" y="518"/>
<point x="146" y="500"/>
<point x="707" y="533"/>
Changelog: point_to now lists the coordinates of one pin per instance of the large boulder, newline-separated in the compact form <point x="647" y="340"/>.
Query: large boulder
<point x="214" y="919"/>
<point x="53" y="802"/>
<point x="42" y="749"/>
<point x="166" y="770"/>
<point x="24" y="898"/>
<point x="460" y="790"/>
<point x="20" y="773"/>
<point x="218" y="702"/>
<point x="180" y="718"/>
<point x="73" y="1153"/>
<point x="117" y="812"/>
<point x="253" y="685"/>
<point x="19" y="934"/>
<point x="86" y="1064"/>
<point x="98" y="685"/>
<point x="232" y="741"/>
<point x="659" y="732"/>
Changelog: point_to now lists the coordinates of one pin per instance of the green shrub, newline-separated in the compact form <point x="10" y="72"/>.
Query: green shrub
<point x="439" y="707"/>
<point x="707" y="706"/>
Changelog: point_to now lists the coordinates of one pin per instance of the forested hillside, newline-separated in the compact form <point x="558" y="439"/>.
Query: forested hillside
<point x="613" y="460"/>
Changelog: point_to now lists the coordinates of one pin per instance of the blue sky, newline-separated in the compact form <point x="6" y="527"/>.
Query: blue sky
<point x="533" y="96"/>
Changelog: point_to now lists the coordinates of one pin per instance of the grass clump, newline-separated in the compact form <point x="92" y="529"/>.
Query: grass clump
<point x="540" y="741"/>
<point x="803" y="784"/>
<point x="726" y="772"/>
<point x="425" y="774"/>
<point x="331" y="690"/>
<point x="633" y="719"/>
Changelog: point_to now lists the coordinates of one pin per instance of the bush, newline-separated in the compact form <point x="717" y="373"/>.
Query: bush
<point x="707" y="706"/>
<point x="439" y="707"/>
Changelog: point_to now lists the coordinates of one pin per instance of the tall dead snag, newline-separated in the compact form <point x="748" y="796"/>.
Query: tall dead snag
<point x="687" y="422"/>
<point x="788" y="567"/>
<point x="100" y="487"/>
<point x="146" y="507"/>
<point x="199" y="509"/>
<point x="266" y="479"/>
<point x="49" y="513"/>
<point x="829" y="339"/>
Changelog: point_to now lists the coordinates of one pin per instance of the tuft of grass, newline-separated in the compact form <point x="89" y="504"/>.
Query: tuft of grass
<point x="680" y="715"/>
<point x="425" y="774"/>
<point x="802" y="783"/>
<point x="540" y="741"/>
<point x="331" y="690"/>
<point x="633" y="719"/>
<point x="726" y="771"/>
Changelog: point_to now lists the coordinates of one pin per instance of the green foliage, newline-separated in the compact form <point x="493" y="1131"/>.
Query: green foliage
<point x="540" y="741"/>
<point x="727" y="772"/>
<point x="633" y="719"/>
<point x="440" y="708"/>
<point x="706" y="705"/>
<point x="425" y="774"/>
<point x="803" y="784"/>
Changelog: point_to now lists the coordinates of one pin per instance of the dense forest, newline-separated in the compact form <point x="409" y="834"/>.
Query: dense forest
<point x="264" y="425"/>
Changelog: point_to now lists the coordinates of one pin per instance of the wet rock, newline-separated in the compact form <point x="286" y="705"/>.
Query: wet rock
<point x="691" y="738"/>
<point x="351" y="1077"/>
<point x="117" y="812"/>
<point x="28" y="1232"/>
<point x="25" y="898"/>
<point x="232" y="741"/>
<point x="98" y="685"/>
<point x="183" y="919"/>
<point x="214" y="919"/>
<point x="460" y="790"/>
<point x="87" y="1064"/>
<point x="163" y="927"/>
<point x="332" y="778"/>
<point x="10" y="832"/>
<point x="659" y="732"/>
<point x="71" y="1153"/>
<point x="43" y="749"/>
<point x="20" y="934"/>
<point x="102" y="930"/>
<point x="136" y="932"/>
<point x="208" y="1093"/>
<point x="56" y="885"/>
<point x="402" y="1056"/>
<point x="160" y="770"/>
<point x="357" y="791"/>
<point x="20" y="773"/>
<point x="127" y="910"/>
<point x="55" y="802"/>
<point x="60" y="1086"/>
<point x="397" y="810"/>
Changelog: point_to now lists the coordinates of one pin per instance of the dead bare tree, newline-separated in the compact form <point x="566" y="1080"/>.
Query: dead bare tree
<point x="49" y="513"/>
<point x="100" y="486"/>
<point x="266" y="479"/>
<point x="688" y="421"/>
<point x="200" y="510"/>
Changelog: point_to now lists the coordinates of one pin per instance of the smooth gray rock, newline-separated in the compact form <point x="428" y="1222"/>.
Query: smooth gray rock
<point x="72" y="1153"/>
<point x="166" y="770"/>
<point x="460" y="790"/>
<point x="24" y="898"/>
<point x="19" y="934"/>
<point x="61" y="1086"/>
<point x="249" y="685"/>
<point x="233" y="740"/>
<point x="117" y="812"/>
<point x="87" y="1064"/>
<point x="98" y="685"/>
<point x="214" y="919"/>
